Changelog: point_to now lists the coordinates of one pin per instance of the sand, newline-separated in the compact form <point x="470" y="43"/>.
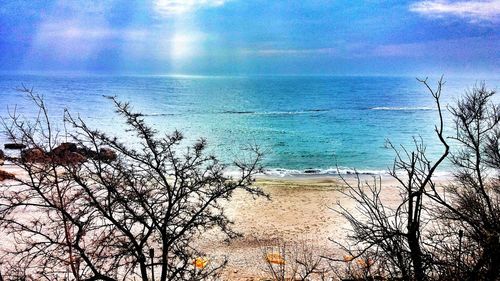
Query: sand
<point x="301" y="210"/>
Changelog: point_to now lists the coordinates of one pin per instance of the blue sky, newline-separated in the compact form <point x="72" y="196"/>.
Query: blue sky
<point x="238" y="37"/>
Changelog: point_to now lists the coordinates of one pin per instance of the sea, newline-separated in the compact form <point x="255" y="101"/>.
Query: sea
<point x="304" y="124"/>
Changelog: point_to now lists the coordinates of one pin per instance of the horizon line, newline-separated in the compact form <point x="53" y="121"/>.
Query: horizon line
<point x="243" y="75"/>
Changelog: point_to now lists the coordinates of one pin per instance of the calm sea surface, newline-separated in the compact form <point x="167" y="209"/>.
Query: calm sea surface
<point x="302" y="123"/>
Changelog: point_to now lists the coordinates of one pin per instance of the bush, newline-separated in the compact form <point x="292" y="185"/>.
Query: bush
<point x="437" y="233"/>
<point x="133" y="215"/>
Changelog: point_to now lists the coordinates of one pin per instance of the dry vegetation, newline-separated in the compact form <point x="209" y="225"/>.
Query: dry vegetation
<point x="96" y="209"/>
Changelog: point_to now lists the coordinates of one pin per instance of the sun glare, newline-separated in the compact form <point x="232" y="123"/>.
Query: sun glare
<point x="184" y="45"/>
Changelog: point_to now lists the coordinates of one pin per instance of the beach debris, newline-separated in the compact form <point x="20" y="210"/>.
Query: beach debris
<point x="14" y="146"/>
<point x="348" y="258"/>
<point x="200" y="262"/>
<point x="365" y="263"/>
<point x="6" y="175"/>
<point x="275" y="258"/>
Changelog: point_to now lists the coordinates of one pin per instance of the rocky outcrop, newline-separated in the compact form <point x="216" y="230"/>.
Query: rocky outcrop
<point x="107" y="154"/>
<point x="104" y="154"/>
<point x="89" y="153"/>
<point x="67" y="153"/>
<point x="14" y="146"/>
<point x="6" y="176"/>
<point x="34" y="155"/>
<point x="63" y="149"/>
<point x="71" y="158"/>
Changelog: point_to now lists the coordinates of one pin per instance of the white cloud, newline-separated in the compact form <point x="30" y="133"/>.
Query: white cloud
<point x="464" y="48"/>
<point x="175" y="7"/>
<point x="75" y="30"/>
<point x="474" y="11"/>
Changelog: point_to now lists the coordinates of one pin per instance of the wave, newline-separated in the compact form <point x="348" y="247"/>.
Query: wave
<point x="293" y="112"/>
<point x="280" y="172"/>
<point x="306" y="111"/>
<point x="155" y="114"/>
<point x="316" y="110"/>
<point x="238" y="112"/>
<point x="404" y="108"/>
<point x="283" y="173"/>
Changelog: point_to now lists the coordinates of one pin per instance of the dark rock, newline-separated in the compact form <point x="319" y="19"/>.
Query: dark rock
<point x="63" y="149"/>
<point x="107" y="154"/>
<point x="89" y="153"/>
<point x="14" y="146"/>
<point x="80" y="153"/>
<point x="6" y="176"/>
<point x="61" y="155"/>
<point x="34" y="155"/>
<point x="2" y="157"/>
<point x="311" y="171"/>
<point x="71" y="158"/>
<point x="67" y="153"/>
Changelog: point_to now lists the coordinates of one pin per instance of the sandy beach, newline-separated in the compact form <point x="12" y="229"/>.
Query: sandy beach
<point x="301" y="210"/>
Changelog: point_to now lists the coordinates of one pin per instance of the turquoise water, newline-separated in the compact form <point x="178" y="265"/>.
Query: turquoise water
<point x="302" y="123"/>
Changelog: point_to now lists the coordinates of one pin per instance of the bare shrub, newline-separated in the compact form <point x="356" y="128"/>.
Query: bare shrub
<point x="296" y="260"/>
<point x="104" y="217"/>
<point x="468" y="244"/>
<point x="437" y="233"/>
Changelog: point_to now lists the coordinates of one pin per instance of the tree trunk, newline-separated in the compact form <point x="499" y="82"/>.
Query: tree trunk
<point x="416" y="255"/>
<point x="494" y="258"/>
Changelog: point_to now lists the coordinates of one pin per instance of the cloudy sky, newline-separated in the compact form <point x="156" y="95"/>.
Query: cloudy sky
<point x="238" y="37"/>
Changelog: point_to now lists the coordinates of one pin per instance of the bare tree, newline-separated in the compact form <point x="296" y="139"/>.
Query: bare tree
<point x="470" y="206"/>
<point x="100" y="209"/>
<point x="394" y="234"/>
<point x="436" y="232"/>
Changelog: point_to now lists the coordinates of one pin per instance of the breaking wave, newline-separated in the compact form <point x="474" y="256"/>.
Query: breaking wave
<point x="307" y="111"/>
<point x="404" y="108"/>
<point x="280" y="172"/>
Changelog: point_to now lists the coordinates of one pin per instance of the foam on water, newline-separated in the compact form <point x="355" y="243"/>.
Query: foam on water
<point x="405" y="108"/>
<point x="280" y="172"/>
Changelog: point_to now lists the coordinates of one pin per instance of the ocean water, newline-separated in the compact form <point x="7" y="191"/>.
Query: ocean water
<point x="304" y="124"/>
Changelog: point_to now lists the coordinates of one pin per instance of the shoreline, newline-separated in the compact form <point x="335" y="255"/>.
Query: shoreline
<point x="348" y="175"/>
<point x="299" y="176"/>
<point x="301" y="211"/>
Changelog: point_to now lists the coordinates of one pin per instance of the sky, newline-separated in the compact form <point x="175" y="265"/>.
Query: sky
<point x="251" y="37"/>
